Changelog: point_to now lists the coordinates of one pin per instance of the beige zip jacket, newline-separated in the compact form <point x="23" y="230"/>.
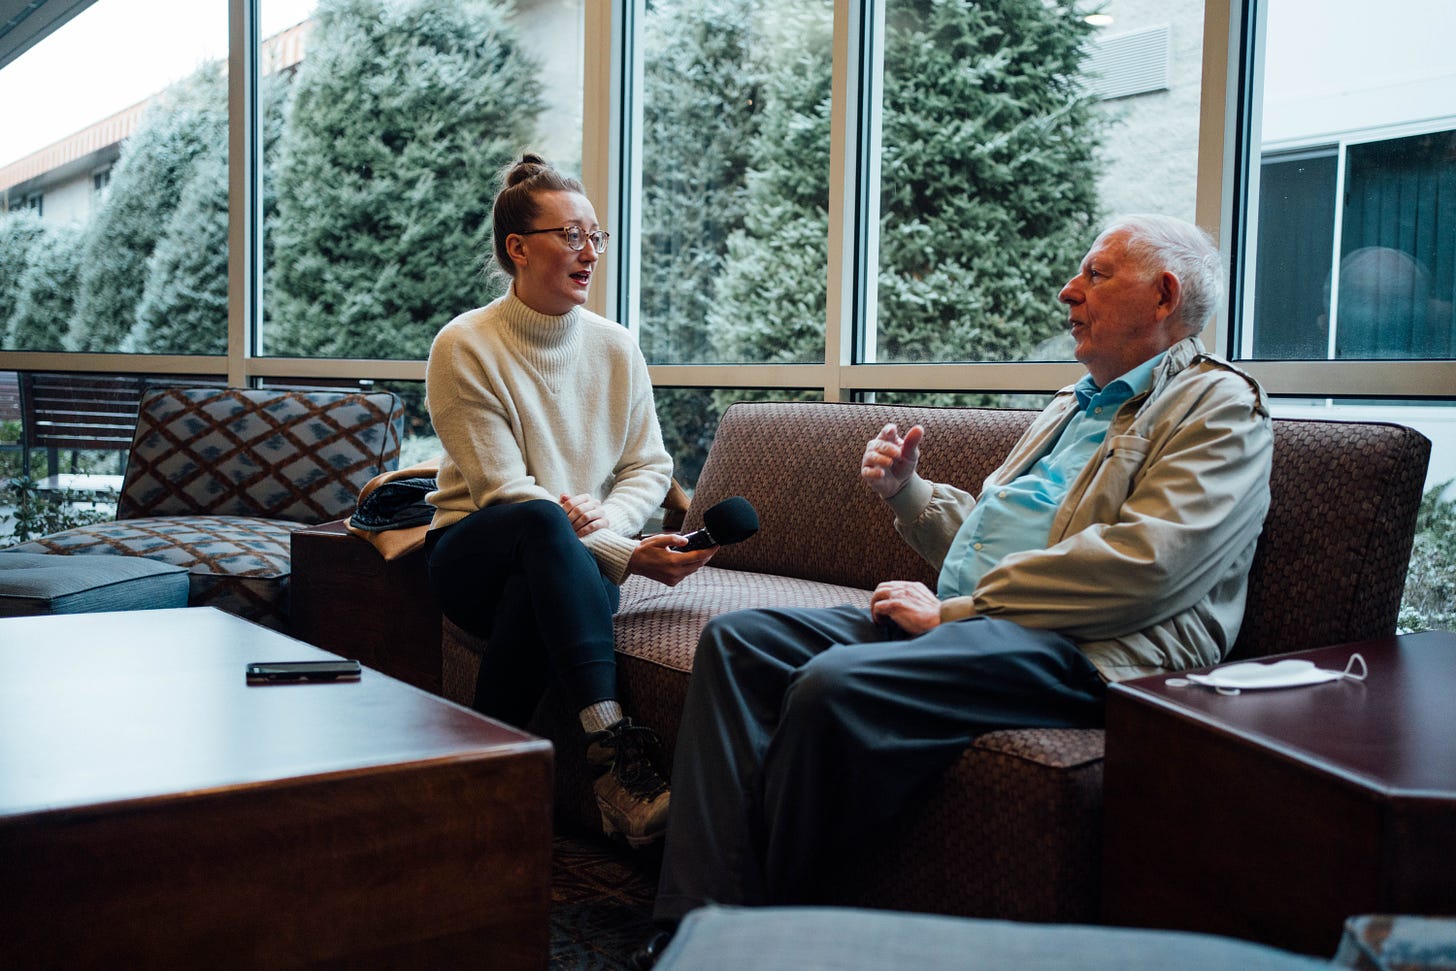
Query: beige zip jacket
<point x="1147" y="564"/>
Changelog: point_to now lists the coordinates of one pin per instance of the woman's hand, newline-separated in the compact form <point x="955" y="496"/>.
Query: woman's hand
<point x="585" y="512"/>
<point x="656" y="559"/>
<point x="889" y="460"/>
<point x="911" y="605"/>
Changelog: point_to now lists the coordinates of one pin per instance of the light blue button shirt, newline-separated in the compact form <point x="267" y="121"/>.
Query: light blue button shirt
<point x="1018" y="516"/>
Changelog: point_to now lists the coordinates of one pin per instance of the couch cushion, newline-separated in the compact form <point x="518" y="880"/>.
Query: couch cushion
<point x="301" y="456"/>
<point x="789" y="938"/>
<point x="658" y="626"/>
<point x="1017" y="819"/>
<point x="235" y="563"/>
<point x="37" y="583"/>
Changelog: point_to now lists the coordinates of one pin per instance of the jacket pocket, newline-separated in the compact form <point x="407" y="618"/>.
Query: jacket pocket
<point x="1112" y="481"/>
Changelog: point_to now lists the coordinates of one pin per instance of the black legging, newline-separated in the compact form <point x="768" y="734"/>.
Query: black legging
<point x="518" y="575"/>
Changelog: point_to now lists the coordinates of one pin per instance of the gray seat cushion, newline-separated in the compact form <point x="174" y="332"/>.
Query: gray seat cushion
<point x="40" y="583"/>
<point x="847" y="939"/>
<point x="235" y="563"/>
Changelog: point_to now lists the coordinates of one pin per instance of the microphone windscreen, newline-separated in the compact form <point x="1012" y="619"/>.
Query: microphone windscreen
<point x="731" y="521"/>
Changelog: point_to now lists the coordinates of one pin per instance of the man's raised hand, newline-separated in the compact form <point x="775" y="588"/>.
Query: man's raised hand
<point x="890" y="459"/>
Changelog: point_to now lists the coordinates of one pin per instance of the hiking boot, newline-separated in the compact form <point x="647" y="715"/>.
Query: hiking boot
<point x="631" y="797"/>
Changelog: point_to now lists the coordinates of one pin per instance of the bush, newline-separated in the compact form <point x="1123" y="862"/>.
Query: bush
<point x="45" y="293"/>
<point x="1430" y="584"/>
<point x="39" y="513"/>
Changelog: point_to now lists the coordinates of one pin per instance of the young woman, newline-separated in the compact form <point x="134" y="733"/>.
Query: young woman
<point x="553" y="463"/>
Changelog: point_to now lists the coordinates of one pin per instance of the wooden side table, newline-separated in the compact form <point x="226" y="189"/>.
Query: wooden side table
<point x="347" y="598"/>
<point x="1273" y="815"/>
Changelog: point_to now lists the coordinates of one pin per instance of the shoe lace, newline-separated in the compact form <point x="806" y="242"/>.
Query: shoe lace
<point x="631" y="765"/>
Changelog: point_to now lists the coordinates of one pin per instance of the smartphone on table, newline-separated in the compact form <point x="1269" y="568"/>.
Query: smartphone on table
<point x="294" y="672"/>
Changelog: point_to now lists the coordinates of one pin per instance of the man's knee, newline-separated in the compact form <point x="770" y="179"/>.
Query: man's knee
<point x="824" y="688"/>
<point x="718" y="637"/>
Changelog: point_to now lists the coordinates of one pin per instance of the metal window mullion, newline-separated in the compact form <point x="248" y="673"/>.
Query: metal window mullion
<point x="611" y="166"/>
<point x="1341" y="162"/>
<point x="245" y="167"/>
<point x="854" y="134"/>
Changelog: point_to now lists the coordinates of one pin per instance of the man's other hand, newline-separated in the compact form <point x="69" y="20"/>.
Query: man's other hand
<point x="911" y="605"/>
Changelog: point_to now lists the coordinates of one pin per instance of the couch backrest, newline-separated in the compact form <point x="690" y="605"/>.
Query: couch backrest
<point x="1330" y="565"/>
<point x="301" y="456"/>
<point x="1332" y="559"/>
<point x="798" y="463"/>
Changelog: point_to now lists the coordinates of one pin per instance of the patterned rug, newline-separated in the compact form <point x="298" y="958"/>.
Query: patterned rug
<point x="601" y="903"/>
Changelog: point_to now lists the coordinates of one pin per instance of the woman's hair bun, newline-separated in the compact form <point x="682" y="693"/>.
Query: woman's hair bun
<point x="530" y="165"/>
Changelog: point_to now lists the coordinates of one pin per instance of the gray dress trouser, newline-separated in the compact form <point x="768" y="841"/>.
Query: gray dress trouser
<point x="805" y="729"/>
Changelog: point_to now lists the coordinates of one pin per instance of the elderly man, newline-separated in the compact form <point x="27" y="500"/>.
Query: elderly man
<point x="1114" y="541"/>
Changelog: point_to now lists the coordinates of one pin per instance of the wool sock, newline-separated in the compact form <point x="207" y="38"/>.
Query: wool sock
<point x="599" y="716"/>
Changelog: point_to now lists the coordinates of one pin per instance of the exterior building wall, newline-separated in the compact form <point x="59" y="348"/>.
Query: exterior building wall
<point x="70" y="201"/>
<point x="552" y="30"/>
<point x="1151" y="152"/>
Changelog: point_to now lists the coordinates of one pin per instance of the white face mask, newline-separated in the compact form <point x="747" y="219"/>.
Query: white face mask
<point x="1254" y="675"/>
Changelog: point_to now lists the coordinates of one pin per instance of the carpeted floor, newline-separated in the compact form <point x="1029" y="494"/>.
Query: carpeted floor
<point x="601" y="903"/>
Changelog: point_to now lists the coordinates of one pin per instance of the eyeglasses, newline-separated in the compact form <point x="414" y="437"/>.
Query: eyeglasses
<point x="575" y="237"/>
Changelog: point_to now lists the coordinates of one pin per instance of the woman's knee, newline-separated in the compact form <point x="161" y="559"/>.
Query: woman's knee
<point x="542" y="514"/>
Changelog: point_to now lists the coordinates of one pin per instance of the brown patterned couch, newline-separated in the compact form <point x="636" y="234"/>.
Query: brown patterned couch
<point x="1014" y="829"/>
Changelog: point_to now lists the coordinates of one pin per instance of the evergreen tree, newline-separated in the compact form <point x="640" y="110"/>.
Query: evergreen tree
<point x="700" y="110"/>
<point x="185" y="121"/>
<point x="770" y="301"/>
<point x="184" y="306"/>
<point x="19" y="231"/>
<point x="403" y="114"/>
<point x="989" y="179"/>
<point x="45" y="291"/>
<point x="988" y="188"/>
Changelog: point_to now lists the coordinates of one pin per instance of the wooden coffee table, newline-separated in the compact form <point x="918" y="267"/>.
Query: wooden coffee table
<point x="156" y="810"/>
<point x="1274" y="815"/>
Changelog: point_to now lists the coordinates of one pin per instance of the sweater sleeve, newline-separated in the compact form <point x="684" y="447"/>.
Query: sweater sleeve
<point x="640" y="479"/>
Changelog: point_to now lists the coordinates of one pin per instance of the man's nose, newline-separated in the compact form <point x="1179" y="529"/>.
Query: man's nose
<point x="1069" y="293"/>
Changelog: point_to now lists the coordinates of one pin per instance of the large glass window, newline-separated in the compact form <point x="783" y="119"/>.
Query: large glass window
<point x="139" y="265"/>
<point x="1009" y="131"/>
<point x="735" y="180"/>
<point x="382" y="150"/>
<point x="1355" y="228"/>
<point x="982" y="144"/>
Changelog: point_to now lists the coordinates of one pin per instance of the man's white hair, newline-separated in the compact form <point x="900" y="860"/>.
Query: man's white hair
<point x="1157" y="243"/>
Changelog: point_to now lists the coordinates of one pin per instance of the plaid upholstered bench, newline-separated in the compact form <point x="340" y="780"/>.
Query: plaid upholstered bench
<point x="1013" y="830"/>
<point x="218" y="478"/>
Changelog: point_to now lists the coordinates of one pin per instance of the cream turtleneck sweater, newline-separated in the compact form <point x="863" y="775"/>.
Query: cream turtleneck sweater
<point x="532" y="407"/>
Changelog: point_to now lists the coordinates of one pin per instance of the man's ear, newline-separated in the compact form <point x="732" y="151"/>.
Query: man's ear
<point x="1170" y="294"/>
